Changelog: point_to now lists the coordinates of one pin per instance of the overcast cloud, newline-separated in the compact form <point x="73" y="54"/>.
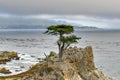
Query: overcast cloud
<point x="89" y="7"/>
<point x="102" y="11"/>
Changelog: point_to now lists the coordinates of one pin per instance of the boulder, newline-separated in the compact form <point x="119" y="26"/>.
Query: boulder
<point x="6" y="56"/>
<point x="4" y="71"/>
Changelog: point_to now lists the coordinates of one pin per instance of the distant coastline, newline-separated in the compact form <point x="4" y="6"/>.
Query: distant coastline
<point x="88" y="27"/>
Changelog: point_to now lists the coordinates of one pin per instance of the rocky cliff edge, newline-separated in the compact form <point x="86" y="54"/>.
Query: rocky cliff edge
<point x="77" y="64"/>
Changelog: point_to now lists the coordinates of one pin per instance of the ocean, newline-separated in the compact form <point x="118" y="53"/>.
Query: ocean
<point x="31" y="44"/>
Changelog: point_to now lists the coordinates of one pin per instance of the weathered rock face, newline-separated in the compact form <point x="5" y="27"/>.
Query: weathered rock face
<point x="77" y="64"/>
<point x="82" y="58"/>
<point x="6" y="56"/>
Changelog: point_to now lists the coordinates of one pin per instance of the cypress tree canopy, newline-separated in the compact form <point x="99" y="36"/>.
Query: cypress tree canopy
<point x="60" y="29"/>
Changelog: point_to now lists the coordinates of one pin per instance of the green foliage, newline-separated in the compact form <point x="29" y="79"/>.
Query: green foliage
<point x="63" y="41"/>
<point x="15" y="79"/>
<point x="69" y="39"/>
<point x="60" y="29"/>
<point x="51" y="54"/>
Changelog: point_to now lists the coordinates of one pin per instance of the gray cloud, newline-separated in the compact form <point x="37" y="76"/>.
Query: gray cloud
<point x="105" y="13"/>
<point x="105" y="8"/>
<point x="71" y="19"/>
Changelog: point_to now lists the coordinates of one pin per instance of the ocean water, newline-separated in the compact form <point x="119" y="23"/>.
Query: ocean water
<point x="32" y="44"/>
<point x="106" y="47"/>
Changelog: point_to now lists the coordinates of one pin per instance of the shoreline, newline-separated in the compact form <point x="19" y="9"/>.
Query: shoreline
<point x="19" y="66"/>
<point x="65" y="63"/>
<point x="106" y="48"/>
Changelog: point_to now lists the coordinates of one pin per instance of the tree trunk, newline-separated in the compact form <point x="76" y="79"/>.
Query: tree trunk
<point x="60" y="55"/>
<point x="61" y="51"/>
<point x="60" y="46"/>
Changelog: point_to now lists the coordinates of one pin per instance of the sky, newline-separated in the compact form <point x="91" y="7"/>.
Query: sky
<point x="101" y="13"/>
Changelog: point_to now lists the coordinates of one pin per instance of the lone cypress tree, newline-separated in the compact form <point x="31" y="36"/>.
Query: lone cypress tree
<point x="63" y="41"/>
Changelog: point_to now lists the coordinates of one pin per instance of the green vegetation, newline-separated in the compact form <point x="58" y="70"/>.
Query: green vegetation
<point x="51" y="54"/>
<point x="15" y="79"/>
<point x="64" y="41"/>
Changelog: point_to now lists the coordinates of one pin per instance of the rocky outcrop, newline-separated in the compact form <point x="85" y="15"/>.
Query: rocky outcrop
<point x="4" y="71"/>
<point x="82" y="63"/>
<point x="77" y="64"/>
<point x="6" y="56"/>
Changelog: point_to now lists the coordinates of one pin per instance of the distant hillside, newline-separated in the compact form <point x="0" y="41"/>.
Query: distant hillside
<point x="87" y="27"/>
<point x="26" y="23"/>
<point x="30" y="26"/>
